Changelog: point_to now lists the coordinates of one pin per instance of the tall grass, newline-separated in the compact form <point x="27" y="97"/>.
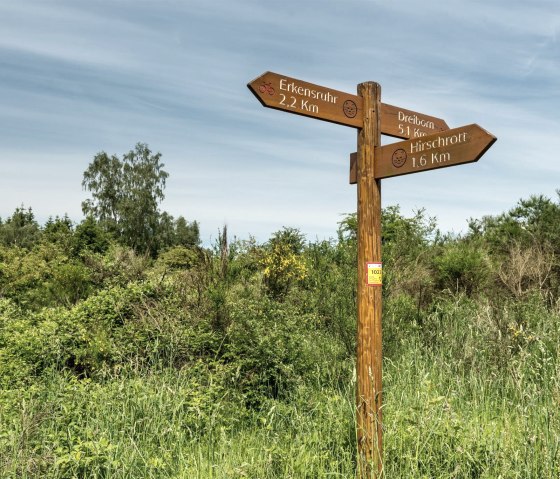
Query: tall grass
<point x="446" y="415"/>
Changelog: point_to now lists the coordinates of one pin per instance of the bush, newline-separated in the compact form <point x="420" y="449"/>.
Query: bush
<point x="282" y="268"/>
<point x="178" y="257"/>
<point x="272" y="347"/>
<point x="462" y="266"/>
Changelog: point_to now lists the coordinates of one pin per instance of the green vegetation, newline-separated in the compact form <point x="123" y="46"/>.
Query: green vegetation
<point x="125" y="201"/>
<point x="123" y="360"/>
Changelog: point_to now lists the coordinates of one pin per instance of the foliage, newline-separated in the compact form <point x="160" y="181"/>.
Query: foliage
<point x="178" y="257"/>
<point x="59" y="230"/>
<point x="462" y="267"/>
<point x="20" y="230"/>
<point x="176" y="232"/>
<point x="43" y="276"/>
<point x="237" y="360"/>
<point x="535" y="220"/>
<point x="282" y="268"/>
<point x="291" y="238"/>
<point x="90" y="237"/>
<point x="126" y="194"/>
<point x="124" y="204"/>
<point x="271" y="346"/>
<point x="186" y="234"/>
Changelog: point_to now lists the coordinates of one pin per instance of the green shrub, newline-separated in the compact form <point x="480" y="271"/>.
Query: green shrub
<point x="271" y="346"/>
<point x="178" y="257"/>
<point x="462" y="267"/>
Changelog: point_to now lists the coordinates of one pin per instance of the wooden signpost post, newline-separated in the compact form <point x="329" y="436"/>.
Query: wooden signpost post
<point x="429" y="144"/>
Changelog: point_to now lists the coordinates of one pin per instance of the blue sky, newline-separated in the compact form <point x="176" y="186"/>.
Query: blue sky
<point x="78" y="77"/>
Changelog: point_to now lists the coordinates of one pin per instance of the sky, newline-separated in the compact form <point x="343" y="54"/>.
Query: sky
<point x="79" y="77"/>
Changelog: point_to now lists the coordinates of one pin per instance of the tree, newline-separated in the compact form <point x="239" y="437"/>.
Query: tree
<point x="186" y="234"/>
<point x="59" y="230"/>
<point x="89" y="236"/>
<point x="176" y="232"/>
<point x="532" y="222"/>
<point x="292" y="238"/>
<point x="20" y="229"/>
<point x="126" y="194"/>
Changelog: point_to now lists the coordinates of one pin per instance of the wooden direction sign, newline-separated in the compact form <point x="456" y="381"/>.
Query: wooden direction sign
<point x="402" y="123"/>
<point x="452" y="147"/>
<point x="302" y="98"/>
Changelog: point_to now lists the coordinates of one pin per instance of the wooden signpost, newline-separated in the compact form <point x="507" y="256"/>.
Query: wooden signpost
<point x="429" y="144"/>
<point x="303" y="98"/>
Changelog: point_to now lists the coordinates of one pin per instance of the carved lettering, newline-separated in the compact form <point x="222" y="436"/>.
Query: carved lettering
<point x="440" y="142"/>
<point x="293" y="87"/>
<point x="416" y="120"/>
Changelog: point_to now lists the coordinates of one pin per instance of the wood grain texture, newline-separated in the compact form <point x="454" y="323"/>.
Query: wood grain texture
<point x="353" y="168"/>
<point x="369" y="352"/>
<point x="476" y="142"/>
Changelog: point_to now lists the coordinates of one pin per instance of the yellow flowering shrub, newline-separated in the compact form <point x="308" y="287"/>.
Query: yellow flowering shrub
<point x="282" y="268"/>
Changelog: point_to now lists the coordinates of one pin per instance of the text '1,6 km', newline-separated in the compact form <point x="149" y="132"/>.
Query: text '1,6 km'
<point x="452" y="147"/>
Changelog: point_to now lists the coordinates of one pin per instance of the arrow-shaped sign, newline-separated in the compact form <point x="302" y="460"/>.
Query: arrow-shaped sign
<point x="302" y="98"/>
<point x="452" y="147"/>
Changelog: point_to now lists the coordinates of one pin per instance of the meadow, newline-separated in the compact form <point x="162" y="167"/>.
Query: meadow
<point x="237" y="361"/>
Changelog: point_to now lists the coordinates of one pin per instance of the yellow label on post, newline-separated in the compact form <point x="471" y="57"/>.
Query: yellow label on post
<point x="374" y="274"/>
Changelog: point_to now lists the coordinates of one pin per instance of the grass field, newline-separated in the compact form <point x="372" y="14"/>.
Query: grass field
<point x="443" y="419"/>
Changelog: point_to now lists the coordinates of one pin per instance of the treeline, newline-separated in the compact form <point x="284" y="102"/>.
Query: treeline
<point x="22" y="230"/>
<point x="52" y="264"/>
<point x="501" y="262"/>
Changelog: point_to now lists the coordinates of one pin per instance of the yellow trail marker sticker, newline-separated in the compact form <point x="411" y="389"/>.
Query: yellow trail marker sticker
<point x="374" y="274"/>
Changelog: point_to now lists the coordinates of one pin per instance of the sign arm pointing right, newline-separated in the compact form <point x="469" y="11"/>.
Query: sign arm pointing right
<point x="465" y="144"/>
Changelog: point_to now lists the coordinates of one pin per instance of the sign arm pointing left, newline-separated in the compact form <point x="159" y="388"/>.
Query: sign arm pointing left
<point x="302" y="98"/>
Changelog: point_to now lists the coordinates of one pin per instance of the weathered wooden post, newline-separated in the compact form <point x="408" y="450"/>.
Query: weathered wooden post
<point x="369" y="352"/>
